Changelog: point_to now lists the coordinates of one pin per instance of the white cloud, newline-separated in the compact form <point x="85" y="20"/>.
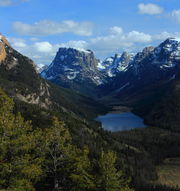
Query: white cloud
<point x="118" y="41"/>
<point x="17" y="42"/>
<point x="40" y="52"/>
<point x="44" y="47"/>
<point x="47" y="27"/>
<point x="150" y="9"/>
<point x="34" y="39"/>
<point x="135" y="36"/>
<point x="75" y="44"/>
<point x="6" y="3"/>
<point x="116" y="30"/>
<point x="115" y="41"/>
<point x="164" y="35"/>
<point x="176" y="15"/>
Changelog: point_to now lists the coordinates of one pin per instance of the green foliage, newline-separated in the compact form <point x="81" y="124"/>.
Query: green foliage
<point x="21" y="185"/>
<point x="68" y="166"/>
<point x="143" y="150"/>
<point x="110" y="179"/>
<point x="57" y="148"/>
<point x="32" y="156"/>
<point x="20" y="165"/>
<point x="81" y="174"/>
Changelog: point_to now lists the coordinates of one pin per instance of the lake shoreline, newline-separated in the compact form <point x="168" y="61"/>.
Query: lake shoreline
<point x="120" y="109"/>
<point x="119" y="120"/>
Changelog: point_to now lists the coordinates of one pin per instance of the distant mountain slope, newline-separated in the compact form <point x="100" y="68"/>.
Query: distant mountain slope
<point x="151" y="85"/>
<point x="149" y="67"/>
<point x="19" y="78"/>
<point x="166" y="112"/>
<point x="139" y="81"/>
<point x="75" y="69"/>
<point x="114" y="65"/>
<point x="81" y="71"/>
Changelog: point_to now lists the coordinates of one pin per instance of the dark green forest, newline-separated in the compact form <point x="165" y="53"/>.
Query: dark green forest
<point x="52" y="152"/>
<point x="47" y="159"/>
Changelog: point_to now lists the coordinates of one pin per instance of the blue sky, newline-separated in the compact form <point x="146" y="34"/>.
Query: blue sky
<point x="37" y="28"/>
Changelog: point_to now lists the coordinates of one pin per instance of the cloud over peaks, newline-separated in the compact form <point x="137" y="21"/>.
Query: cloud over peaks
<point x="6" y="3"/>
<point x="150" y="9"/>
<point x="176" y="15"/>
<point x="47" y="27"/>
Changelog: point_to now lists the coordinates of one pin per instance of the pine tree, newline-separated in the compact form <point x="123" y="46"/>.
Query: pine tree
<point x="110" y="179"/>
<point x="68" y="166"/>
<point x="20" y="167"/>
<point x="81" y="174"/>
<point x="58" y="150"/>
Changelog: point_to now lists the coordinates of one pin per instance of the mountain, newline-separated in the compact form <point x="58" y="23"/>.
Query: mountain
<point x="18" y="76"/>
<point x="138" y="81"/>
<point x="150" y="85"/>
<point x="151" y="66"/>
<point x="41" y="68"/>
<point x="165" y="112"/>
<point x="75" y="69"/>
<point x="81" y="71"/>
<point x="114" y="65"/>
<point x="20" y="79"/>
<point x="138" y="151"/>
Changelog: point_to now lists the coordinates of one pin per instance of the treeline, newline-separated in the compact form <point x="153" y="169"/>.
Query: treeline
<point x="47" y="159"/>
<point x="143" y="150"/>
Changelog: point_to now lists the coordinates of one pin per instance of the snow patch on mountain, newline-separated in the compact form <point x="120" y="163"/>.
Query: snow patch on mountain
<point x="119" y="63"/>
<point x="72" y="75"/>
<point x="97" y="80"/>
<point x="175" y="39"/>
<point x="81" y="67"/>
<point x="100" y="66"/>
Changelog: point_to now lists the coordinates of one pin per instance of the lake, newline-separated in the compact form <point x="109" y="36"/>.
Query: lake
<point x="120" y="121"/>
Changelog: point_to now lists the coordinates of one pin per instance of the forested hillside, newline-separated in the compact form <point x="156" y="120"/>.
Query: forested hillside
<point x="46" y="159"/>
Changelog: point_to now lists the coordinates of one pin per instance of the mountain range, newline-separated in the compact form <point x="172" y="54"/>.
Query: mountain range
<point x="77" y="87"/>
<point x="146" y="82"/>
<point x="140" y="81"/>
<point x="19" y="79"/>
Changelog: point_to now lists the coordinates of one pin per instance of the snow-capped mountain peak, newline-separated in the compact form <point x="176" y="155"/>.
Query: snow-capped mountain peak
<point x="79" y="69"/>
<point x="72" y="66"/>
<point x="119" y="63"/>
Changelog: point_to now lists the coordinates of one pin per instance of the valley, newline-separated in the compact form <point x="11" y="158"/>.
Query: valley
<point x="142" y="81"/>
<point x="145" y="84"/>
<point x="76" y="88"/>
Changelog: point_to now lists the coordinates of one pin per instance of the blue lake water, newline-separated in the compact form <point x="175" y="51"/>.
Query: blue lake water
<point x="120" y="121"/>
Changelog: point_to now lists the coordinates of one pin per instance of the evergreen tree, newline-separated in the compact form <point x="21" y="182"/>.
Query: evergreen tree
<point x="20" y="167"/>
<point x="81" y="174"/>
<point x="68" y="166"/>
<point x="58" y="151"/>
<point x="110" y="179"/>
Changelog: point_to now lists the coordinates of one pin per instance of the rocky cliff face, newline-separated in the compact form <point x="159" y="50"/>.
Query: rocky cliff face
<point x="21" y="81"/>
<point x="141" y="81"/>
<point x="3" y="43"/>
<point x="76" y="69"/>
<point x="112" y="66"/>
<point x="150" y="66"/>
<point x="18" y="76"/>
<point x="81" y="71"/>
